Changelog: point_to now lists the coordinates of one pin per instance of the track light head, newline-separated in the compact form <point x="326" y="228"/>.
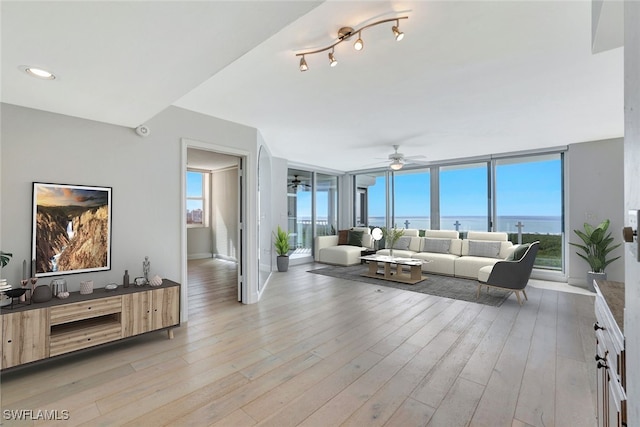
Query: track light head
<point x="359" y="44"/>
<point x="303" y="64"/>
<point x="332" y="59"/>
<point x="399" y="35"/>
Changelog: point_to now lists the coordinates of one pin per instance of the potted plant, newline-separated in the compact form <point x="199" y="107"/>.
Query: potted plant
<point x="281" y="242"/>
<point x="5" y="257"/>
<point x="595" y="250"/>
<point x="391" y="237"/>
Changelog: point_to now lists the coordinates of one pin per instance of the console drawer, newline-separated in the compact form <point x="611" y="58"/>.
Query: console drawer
<point x="85" y="310"/>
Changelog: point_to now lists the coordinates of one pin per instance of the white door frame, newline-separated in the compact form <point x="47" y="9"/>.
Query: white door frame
<point x="242" y="241"/>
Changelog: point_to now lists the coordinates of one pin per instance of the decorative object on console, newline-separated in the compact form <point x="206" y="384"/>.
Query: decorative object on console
<point x="4" y="286"/>
<point x="41" y="293"/>
<point x="596" y="248"/>
<point x="345" y="33"/>
<point x="57" y="286"/>
<point x="125" y="279"/>
<point x="155" y="281"/>
<point x="86" y="287"/>
<point x="71" y="229"/>
<point x="146" y="266"/>
<point x="63" y="295"/>
<point x="111" y="287"/>
<point x="139" y="281"/>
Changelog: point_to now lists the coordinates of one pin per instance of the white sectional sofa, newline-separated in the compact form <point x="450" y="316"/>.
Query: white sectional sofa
<point x="445" y="252"/>
<point x="449" y="255"/>
<point x="328" y="251"/>
<point x="481" y="249"/>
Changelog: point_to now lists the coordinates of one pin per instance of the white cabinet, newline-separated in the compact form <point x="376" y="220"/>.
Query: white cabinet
<point x="610" y="356"/>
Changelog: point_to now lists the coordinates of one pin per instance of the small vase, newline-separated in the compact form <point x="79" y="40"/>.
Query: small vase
<point x="391" y="253"/>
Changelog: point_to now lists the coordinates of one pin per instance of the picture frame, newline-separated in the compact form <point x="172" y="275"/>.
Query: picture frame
<point x="71" y="229"/>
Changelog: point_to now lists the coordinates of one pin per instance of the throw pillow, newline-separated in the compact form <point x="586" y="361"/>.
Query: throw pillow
<point x="355" y="238"/>
<point x="402" y="243"/>
<point x="438" y="246"/>
<point x="484" y="249"/>
<point x="518" y="252"/>
<point x="343" y="237"/>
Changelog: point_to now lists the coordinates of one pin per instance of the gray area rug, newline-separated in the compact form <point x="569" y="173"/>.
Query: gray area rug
<point x="442" y="286"/>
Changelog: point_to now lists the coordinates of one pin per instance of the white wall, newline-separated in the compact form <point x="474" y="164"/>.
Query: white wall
<point x="594" y="186"/>
<point x="145" y="174"/>
<point x="199" y="243"/>
<point x="224" y="213"/>
<point x="632" y="201"/>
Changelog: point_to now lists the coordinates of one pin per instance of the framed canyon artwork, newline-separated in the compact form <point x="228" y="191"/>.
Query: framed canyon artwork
<point x="71" y="230"/>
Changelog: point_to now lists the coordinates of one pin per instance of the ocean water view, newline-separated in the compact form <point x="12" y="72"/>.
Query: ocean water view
<point x="532" y="224"/>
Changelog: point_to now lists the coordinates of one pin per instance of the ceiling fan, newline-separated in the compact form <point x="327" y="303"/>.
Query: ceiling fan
<point x="297" y="183"/>
<point x="398" y="160"/>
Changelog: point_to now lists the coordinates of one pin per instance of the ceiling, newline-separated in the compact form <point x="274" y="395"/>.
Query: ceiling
<point x="469" y="79"/>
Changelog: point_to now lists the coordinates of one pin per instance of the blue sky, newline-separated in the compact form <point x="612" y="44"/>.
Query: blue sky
<point x="531" y="189"/>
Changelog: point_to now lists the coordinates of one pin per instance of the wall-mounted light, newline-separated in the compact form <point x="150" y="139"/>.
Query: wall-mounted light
<point x="345" y="33"/>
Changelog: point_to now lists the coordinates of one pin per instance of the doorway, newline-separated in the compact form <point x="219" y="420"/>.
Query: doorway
<point x="213" y="222"/>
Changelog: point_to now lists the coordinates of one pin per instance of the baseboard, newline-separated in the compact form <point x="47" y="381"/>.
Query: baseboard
<point x="225" y="257"/>
<point x="200" y="255"/>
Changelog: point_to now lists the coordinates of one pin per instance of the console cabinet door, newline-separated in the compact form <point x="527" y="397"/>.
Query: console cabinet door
<point x="24" y="337"/>
<point x="136" y="313"/>
<point x="150" y="310"/>
<point x="165" y="307"/>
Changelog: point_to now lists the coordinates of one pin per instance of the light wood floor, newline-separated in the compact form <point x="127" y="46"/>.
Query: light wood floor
<point x="319" y="351"/>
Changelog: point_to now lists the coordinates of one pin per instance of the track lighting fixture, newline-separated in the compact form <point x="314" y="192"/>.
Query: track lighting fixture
<point x="345" y="33"/>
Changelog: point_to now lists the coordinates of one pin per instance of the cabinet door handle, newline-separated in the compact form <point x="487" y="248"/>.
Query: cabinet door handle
<point x="602" y="365"/>
<point x="599" y="358"/>
<point x="596" y="326"/>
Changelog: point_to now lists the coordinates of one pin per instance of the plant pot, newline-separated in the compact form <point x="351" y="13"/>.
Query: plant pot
<point x="283" y="262"/>
<point x="591" y="276"/>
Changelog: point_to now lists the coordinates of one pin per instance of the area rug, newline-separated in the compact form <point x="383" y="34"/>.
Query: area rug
<point x="442" y="286"/>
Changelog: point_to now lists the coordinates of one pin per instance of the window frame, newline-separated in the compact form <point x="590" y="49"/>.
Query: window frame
<point x="204" y="198"/>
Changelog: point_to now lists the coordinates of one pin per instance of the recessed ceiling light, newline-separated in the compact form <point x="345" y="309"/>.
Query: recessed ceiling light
<point x="38" y="72"/>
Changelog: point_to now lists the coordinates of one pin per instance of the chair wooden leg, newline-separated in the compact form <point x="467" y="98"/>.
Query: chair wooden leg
<point x="525" y="295"/>
<point x="518" y="297"/>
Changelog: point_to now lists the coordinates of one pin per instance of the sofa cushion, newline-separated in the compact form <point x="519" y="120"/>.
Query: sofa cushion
<point x="518" y="252"/>
<point x="439" y="246"/>
<point x="484" y="249"/>
<point x="340" y="255"/>
<point x="438" y="263"/>
<point x="442" y="234"/>
<point x="398" y="253"/>
<point x="343" y="237"/>
<point x="402" y="243"/>
<point x="355" y="238"/>
<point x="468" y="266"/>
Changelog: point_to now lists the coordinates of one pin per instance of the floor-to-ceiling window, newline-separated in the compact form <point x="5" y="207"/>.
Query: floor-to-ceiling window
<point x="411" y="199"/>
<point x="528" y="204"/>
<point x="312" y="209"/>
<point x="464" y="202"/>
<point x="521" y="195"/>
<point x="376" y="195"/>
<point x="326" y="204"/>
<point x="299" y="211"/>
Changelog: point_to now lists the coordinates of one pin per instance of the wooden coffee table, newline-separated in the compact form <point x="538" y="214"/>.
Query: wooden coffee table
<point x="396" y="274"/>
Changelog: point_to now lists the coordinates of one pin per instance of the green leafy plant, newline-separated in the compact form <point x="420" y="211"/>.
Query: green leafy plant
<point x="391" y="236"/>
<point x="597" y="245"/>
<point x="281" y="242"/>
<point x="5" y="257"/>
